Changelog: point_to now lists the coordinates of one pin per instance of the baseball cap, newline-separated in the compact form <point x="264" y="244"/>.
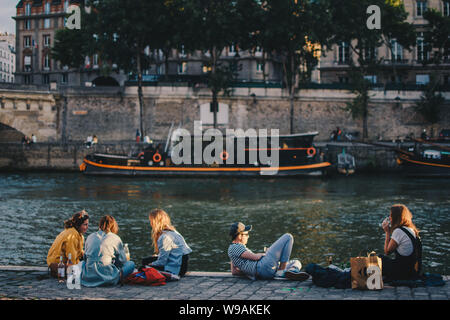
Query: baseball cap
<point x="237" y="228"/>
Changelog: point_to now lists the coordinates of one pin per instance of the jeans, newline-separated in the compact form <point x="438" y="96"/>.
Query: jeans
<point x="183" y="268"/>
<point x="127" y="269"/>
<point x="279" y="251"/>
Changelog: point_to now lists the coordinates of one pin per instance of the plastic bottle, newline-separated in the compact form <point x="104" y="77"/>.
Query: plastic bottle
<point x="61" y="270"/>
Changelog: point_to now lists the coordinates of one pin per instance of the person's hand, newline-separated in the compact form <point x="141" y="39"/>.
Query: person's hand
<point x="261" y="255"/>
<point x="385" y="226"/>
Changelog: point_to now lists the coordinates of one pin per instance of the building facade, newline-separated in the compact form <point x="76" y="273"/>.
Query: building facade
<point x="410" y="66"/>
<point x="7" y="57"/>
<point x="36" y="24"/>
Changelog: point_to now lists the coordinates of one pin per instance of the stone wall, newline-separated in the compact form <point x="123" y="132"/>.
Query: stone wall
<point x="115" y="116"/>
<point x="71" y="114"/>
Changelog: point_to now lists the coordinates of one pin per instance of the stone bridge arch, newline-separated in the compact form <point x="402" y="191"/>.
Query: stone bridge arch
<point x="29" y="113"/>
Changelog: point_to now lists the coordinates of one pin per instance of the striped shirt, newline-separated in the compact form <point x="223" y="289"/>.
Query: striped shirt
<point x="235" y="250"/>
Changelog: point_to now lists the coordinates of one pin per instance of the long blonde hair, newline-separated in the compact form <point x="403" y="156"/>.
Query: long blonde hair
<point x="108" y="224"/>
<point x="401" y="216"/>
<point x="159" y="221"/>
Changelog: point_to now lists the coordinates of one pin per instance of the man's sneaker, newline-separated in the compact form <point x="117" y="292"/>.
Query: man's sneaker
<point x="280" y="274"/>
<point x="296" y="275"/>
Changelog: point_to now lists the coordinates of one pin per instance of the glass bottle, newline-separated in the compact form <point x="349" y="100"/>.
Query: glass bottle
<point x="127" y="251"/>
<point x="61" y="270"/>
<point x="69" y="264"/>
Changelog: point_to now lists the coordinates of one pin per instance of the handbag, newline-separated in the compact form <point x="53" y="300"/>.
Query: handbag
<point x="366" y="272"/>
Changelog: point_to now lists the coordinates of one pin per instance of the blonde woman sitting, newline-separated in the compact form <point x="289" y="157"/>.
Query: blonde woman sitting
<point x="171" y="250"/>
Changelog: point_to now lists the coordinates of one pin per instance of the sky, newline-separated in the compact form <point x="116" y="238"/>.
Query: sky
<point x="7" y="10"/>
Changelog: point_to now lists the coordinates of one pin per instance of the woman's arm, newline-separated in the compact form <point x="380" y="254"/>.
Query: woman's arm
<point x="389" y="244"/>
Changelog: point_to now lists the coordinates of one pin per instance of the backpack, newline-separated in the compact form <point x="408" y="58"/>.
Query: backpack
<point x="147" y="276"/>
<point x="417" y="251"/>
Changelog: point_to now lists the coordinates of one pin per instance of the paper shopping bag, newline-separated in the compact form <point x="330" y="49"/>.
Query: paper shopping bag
<point x="366" y="272"/>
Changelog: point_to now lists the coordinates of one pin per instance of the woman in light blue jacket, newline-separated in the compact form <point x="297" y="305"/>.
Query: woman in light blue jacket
<point x="170" y="247"/>
<point x="105" y="262"/>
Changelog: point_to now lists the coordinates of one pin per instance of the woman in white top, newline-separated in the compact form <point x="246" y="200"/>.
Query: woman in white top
<point x="402" y="237"/>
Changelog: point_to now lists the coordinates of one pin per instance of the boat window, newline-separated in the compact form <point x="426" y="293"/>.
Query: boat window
<point x="432" y="154"/>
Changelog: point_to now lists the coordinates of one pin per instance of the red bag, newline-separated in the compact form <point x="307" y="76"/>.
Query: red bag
<point x="147" y="276"/>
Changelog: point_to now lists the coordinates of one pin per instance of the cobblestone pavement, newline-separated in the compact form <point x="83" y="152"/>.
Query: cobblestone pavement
<point x="35" y="284"/>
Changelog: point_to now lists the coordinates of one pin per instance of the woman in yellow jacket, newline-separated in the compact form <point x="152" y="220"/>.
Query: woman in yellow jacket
<point x="70" y="240"/>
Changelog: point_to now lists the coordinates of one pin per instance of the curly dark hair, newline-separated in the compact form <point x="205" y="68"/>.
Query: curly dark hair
<point x="77" y="220"/>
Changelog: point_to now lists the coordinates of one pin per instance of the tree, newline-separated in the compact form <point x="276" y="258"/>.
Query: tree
<point x="430" y="102"/>
<point x="291" y="33"/>
<point x="124" y="28"/>
<point x="213" y="25"/>
<point x="118" y="31"/>
<point x="438" y="38"/>
<point x="363" y="42"/>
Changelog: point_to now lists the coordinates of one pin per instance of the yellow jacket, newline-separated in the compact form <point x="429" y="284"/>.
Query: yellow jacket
<point x="68" y="241"/>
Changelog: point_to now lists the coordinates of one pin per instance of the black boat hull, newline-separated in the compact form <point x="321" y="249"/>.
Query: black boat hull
<point x="419" y="167"/>
<point x="316" y="169"/>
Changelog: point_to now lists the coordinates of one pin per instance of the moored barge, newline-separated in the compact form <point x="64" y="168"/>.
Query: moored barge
<point x="425" y="159"/>
<point x="295" y="154"/>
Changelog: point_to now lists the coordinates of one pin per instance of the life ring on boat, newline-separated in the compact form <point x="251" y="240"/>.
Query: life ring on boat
<point x="83" y="166"/>
<point x="311" y="151"/>
<point x="157" y="157"/>
<point x="140" y="154"/>
<point x="224" y="155"/>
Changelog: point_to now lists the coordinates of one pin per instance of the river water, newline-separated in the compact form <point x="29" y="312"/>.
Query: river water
<point x="338" y="216"/>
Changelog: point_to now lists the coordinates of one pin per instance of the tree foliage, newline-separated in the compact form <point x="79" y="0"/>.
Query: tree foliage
<point x="362" y="41"/>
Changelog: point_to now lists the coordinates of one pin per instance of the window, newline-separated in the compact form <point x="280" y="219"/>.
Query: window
<point x="28" y="9"/>
<point x="27" y="63"/>
<point x="421" y="8"/>
<point x="46" y="79"/>
<point x="27" y="41"/>
<point x="422" y="48"/>
<point x="258" y="52"/>
<point x="95" y="60"/>
<point x="182" y="68"/>
<point x="370" y="54"/>
<point x="343" y="53"/>
<point x="47" y="62"/>
<point x="46" y="23"/>
<point x="446" y="8"/>
<point x="396" y="51"/>
<point x="66" y="5"/>
<point x="182" y="53"/>
<point x="64" y="78"/>
<point x="371" y="79"/>
<point x="232" y="50"/>
<point x="46" y="40"/>
<point x="259" y="67"/>
<point x="47" y="8"/>
<point x="27" y="24"/>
